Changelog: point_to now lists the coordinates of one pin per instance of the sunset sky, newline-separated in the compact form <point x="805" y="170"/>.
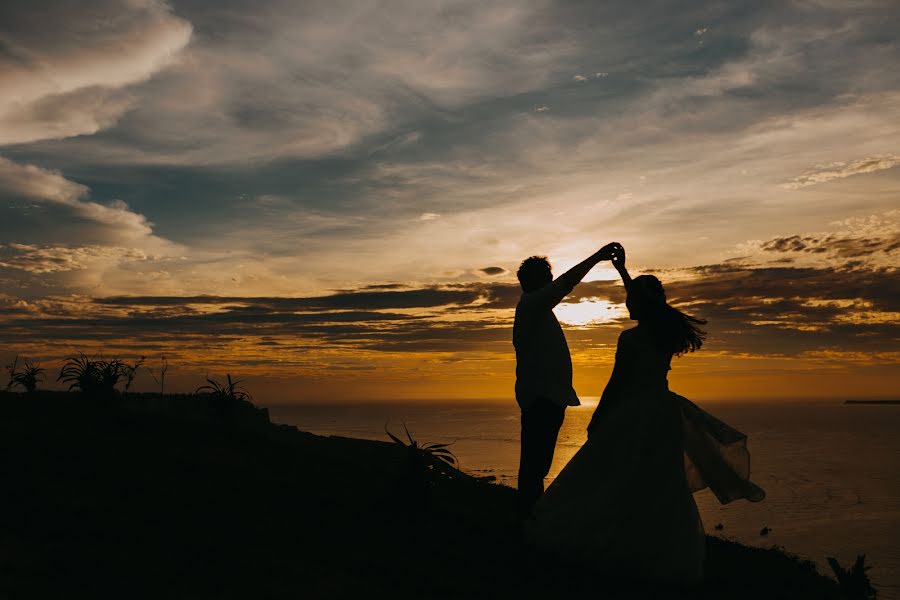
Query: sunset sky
<point x="330" y="199"/>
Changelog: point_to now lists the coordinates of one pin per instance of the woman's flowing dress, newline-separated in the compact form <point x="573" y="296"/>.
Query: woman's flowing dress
<point x="624" y="503"/>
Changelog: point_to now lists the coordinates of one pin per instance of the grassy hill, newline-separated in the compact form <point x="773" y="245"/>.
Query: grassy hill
<point x="186" y="497"/>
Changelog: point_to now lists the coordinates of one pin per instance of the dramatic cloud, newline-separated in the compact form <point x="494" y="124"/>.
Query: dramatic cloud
<point x="766" y="309"/>
<point x="289" y="80"/>
<point x="62" y="66"/>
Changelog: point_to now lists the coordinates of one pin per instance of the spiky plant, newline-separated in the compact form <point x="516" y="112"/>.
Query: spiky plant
<point x="431" y="454"/>
<point x="226" y="390"/>
<point x="79" y="372"/>
<point x="92" y="376"/>
<point x="111" y="372"/>
<point x="28" y="377"/>
<point x="854" y="582"/>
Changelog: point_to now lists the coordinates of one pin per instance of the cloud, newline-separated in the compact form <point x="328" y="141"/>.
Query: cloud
<point x="840" y="170"/>
<point x="312" y="80"/>
<point x="398" y="142"/>
<point x="493" y="271"/>
<point x="429" y="216"/>
<point x="54" y="259"/>
<point x="55" y="235"/>
<point x="841" y="247"/>
<point x="42" y="186"/>
<point x="385" y="286"/>
<point x="762" y="309"/>
<point x="63" y="115"/>
<point x="39" y="184"/>
<point x="367" y="298"/>
<point x="871" y="242"/>
<point x="507" y="182"/>
<point x="68" y="83"/>
<point x="78" y="80"/>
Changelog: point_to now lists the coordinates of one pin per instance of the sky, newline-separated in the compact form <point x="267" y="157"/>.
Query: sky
<point x="330" y="200"/>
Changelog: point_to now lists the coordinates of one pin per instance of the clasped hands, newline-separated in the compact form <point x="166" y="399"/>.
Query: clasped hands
<point x="615" y="252"/>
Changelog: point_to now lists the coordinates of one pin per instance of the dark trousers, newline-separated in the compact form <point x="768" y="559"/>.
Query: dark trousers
<point x="540" y="427"/>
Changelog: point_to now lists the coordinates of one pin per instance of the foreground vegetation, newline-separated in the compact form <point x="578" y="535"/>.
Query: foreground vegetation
<point x="175" y="497"/>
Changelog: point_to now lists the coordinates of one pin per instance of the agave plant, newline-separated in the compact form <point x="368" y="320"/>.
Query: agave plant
<point x="110" y="373"/>
<point x="92" y="376"/>
<point x="79" y="372"/>
<point x="226" y="390"/>
<point x="28" y="377"/>
<point x="854" y="582"/>
<point x="431" y="454"/>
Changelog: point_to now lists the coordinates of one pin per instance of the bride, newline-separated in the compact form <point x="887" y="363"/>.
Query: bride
<point x="624" y="503"/>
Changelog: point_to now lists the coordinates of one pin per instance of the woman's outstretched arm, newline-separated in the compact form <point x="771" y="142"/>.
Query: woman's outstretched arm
<point x="618" y="260"/>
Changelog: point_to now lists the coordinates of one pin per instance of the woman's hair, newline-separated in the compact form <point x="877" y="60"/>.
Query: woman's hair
<point x="674" y="331"/>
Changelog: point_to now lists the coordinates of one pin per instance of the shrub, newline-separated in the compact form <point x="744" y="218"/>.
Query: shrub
<point x="854" y="582"/>
<point x="96" y="377"/>
<point x="228" y="390"/>
<point x="429" y="454"/>
<point x="28" y="377"/>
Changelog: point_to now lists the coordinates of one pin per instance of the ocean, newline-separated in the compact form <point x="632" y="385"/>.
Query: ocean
<point x="831" y="471"/>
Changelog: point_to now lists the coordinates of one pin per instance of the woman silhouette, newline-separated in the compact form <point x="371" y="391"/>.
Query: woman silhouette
<point x="624" y="502"/>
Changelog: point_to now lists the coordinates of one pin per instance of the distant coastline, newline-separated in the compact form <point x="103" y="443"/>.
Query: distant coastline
<point x="871" y="401"/>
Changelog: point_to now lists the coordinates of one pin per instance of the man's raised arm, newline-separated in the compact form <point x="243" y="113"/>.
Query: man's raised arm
<point x="552" y="294"/>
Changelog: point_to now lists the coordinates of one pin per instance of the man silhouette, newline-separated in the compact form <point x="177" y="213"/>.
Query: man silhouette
<point x="543" y="367"/>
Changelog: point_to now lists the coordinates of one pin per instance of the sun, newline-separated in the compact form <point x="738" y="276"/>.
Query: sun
<point x="588" y="312"/>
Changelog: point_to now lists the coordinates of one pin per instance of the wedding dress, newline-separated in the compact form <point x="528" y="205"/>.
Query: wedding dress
<point x="624" y="503"/>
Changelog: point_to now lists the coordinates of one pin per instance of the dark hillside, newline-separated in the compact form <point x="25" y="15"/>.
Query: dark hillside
<point x="183" y="498"/>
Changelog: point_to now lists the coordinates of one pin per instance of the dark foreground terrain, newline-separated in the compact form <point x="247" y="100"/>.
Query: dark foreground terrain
<point x="186" y="497"/>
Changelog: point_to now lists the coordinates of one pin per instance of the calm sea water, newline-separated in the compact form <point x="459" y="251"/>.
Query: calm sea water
<point x="831" y="472"/>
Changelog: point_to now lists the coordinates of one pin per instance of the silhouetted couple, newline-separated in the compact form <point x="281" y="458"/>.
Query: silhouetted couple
<point x="624" y="503"/>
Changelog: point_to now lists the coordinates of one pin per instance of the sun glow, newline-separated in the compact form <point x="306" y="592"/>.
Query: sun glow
<point x="602" y="273"/>
<point x="588" y="312"/>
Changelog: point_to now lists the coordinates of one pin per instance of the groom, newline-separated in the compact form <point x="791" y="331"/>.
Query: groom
<point x="543" y="367"/>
